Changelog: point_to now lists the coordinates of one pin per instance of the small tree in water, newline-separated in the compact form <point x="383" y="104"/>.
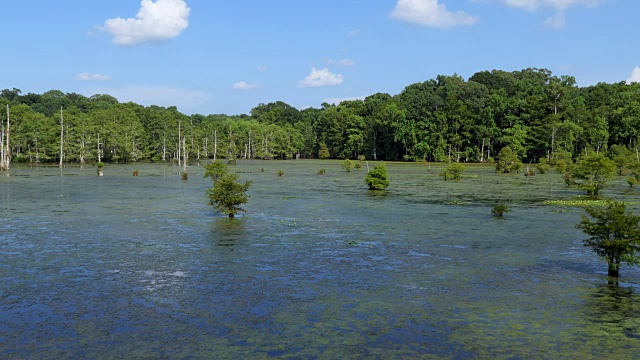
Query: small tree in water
<point x="347" y="165"/>
<point x="378" y="178"/>
<point x="215" y="170"/>
<point x="323" y="152"/>
<point x="615" y="235"/>
<point x="453" y="171"/>
<point x="227" y="193"/>
<point x="592" y="173"/>
<point x="508" y="161"/>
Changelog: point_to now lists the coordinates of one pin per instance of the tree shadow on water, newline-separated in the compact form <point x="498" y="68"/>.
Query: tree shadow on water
<point x="229" y="232"/>
<point x="614" y="309"/>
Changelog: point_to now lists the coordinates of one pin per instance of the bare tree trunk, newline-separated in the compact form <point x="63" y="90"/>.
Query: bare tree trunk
<point x="482" y="152"/>
<point x="5" y="154"/>
<point x="375" y="153"/>
<point x="179" y="145"/>
<point x="82" y="154"/>
<point x="184" y="154"/>
<point x="2" y="149"/>
<point x="215" y="144"/>
<point x="164" y="147"/>
<point x="61" y="136"/>
<point x="99" y="158"/>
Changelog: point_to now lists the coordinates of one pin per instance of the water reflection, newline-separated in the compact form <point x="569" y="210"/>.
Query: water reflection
<point x="229" y="231"/>
<point x="614" y="310"/>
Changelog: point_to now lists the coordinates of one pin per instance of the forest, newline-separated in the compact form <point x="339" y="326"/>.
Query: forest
<point x="537" y="114"/>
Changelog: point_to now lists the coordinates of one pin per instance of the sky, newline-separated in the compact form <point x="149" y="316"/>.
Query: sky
<point x="226" y="57"/>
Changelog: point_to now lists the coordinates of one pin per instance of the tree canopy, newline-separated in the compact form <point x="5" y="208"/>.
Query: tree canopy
<point x="533" y="112"/>
<point x="615" y="235"/>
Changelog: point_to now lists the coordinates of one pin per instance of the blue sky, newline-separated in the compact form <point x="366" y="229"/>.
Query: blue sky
<point x="214" y="57"/>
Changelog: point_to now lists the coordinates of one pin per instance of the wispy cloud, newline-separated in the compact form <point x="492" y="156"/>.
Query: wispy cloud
<point x="185" y="99"/>
<point x="242" y="85"/>
<point x="430" y="13"/>
<point x="319" y="78"/>
<point x="262" y="68"/>
<point x="532" y="5"/>
<point x="353" y="32"/>
<point x="87" y="76"/>
<point x="557" y="21"/>
<point x="343" y="62"/>
<point x="635" y="75"/>
<point x="156" y="21"/>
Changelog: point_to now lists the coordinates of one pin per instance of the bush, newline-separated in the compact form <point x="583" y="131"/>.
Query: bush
<point x="215" y="170"/>
<point x="280" y="173"/>
<point x="184" y="175"/>
<point x="542" y="166"/>
<point x="508" y="161"/>
<point x="100" y="164"/>
<point x="453" y="171"/>
<point x="136" y="172"/>
<point x="561" y="166"/>
<point x="347" y="165"/>
<point x="322" y="171"/>
<point x="323" y="152"/>
<point x="499" y="210"/>
<point x="378" y="178"/>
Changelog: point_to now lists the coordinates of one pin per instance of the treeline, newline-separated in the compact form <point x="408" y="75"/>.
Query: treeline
<point x="538" y="115"/>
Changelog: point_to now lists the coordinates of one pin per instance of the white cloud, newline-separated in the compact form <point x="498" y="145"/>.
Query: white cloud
<point x="242" y="85"/>
<point x="353" y="32"/>
<point x="87" y="76"/>
<point x="156" y="21"/>
<point x="556" y="4"/>
<point x="166" y="96"/>
<point x="635" y="76"/>
<point x="262" y="68"/>
<point x="430" y="13"/>
<point x="318" y="78"/>
<point x="337" y="101"/>
<point x="557" y="21"/>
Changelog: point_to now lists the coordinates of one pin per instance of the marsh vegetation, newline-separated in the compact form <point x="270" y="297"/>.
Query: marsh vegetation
<point x="320" y="267"/>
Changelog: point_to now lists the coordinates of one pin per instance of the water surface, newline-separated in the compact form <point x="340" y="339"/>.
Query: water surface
<point x="143" y="267"/>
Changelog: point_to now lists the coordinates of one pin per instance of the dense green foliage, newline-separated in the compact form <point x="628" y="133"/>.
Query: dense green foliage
<point x="377" y="178"/>
<point x="592" y="173"/>
<point x="508" y="161"/>
<point x="227" y="193"/>
<point x="533" y="112"/>
<point x="453" y="171"/>
<point x="615" y="235"/>
<point x="215" y="170"/>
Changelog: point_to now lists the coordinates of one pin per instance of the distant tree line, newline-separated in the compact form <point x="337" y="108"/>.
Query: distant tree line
<point x="536" y="114"/>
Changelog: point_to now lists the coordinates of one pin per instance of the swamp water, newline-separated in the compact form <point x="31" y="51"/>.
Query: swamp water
<point x="143" y="267"/>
